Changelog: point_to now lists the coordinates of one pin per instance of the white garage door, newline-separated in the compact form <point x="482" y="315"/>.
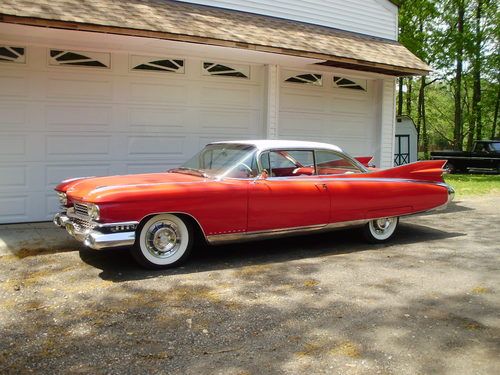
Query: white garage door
<point x="329" y="108"/>
<point x="115" y="114"/>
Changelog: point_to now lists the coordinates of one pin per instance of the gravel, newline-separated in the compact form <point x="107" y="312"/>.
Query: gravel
<point x="428" y="302"/>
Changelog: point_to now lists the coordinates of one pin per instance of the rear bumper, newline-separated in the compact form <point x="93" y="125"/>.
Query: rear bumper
<point x="98" y="236"/>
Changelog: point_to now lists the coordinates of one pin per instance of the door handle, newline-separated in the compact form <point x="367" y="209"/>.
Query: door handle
<point x="322" y="186"/>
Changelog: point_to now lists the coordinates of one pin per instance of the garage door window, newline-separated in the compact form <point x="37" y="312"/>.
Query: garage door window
<point x="12" y="54"/>
<point x="225" y="70"/>
<point x="308" y="79"/>
<point x="75" y="58"/>
<point x="349" y="83"/>
<point x="156" y="64"/>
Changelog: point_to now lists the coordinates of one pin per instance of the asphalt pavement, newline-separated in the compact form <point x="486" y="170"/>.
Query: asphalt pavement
<point x="426" y="303"/>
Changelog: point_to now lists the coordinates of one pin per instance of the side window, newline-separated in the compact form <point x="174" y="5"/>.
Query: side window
<point x="264" y="161"/>
<point x="329" y="162"/>
<point x="288" y="163"/>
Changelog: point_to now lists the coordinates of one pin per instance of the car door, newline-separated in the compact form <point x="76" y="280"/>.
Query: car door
<point x="291" y="196"/>
<point x="350" y="196"/>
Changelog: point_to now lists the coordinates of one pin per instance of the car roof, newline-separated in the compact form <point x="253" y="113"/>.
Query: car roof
<point x="266" y="144"/>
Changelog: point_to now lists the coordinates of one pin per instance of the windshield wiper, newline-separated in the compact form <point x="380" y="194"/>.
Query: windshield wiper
<point x="191" y="171"/>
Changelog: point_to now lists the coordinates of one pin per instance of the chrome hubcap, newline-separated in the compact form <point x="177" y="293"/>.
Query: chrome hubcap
<point x="163" y="239"/>
<point x="381" y="225"/>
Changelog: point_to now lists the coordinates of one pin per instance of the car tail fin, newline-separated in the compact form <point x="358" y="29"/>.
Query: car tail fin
<point x="365" y="160"/>
<point x="428" y="170"/>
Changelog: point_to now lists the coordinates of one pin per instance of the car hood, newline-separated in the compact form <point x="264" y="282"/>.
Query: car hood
<point x="98" y="188"/>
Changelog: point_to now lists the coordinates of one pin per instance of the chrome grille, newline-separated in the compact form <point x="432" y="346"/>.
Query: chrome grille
<point x="83" y="224"/>
<point x="81" y="209"/>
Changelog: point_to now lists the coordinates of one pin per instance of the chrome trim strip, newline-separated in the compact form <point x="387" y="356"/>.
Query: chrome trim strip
<point x="282" y="232"/>
<point x="98" y="241"/>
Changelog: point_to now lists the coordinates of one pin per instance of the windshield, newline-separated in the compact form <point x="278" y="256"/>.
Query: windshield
<point x="222" y="160"/>
<point x="496" y="146"/>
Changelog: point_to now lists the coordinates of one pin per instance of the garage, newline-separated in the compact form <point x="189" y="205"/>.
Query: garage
<point x="67" y="113"/>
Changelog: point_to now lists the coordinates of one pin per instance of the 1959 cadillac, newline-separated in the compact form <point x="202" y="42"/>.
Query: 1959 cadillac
<point x="242" y="190"/>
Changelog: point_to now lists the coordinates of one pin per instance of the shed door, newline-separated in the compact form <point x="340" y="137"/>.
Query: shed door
<point x="402" y="150"/>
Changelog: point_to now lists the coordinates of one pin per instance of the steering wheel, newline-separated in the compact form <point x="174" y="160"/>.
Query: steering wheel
<point x="246" y="167"/>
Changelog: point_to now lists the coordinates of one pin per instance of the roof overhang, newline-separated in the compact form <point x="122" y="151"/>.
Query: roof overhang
<point x="218" y="27"/>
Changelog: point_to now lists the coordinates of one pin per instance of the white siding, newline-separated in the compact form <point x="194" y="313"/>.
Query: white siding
<point x="387" y="121"/>
<point x="371" y="17"/>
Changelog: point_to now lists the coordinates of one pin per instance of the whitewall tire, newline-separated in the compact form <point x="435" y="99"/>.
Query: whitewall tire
<point x="380" y="230"/>
<point x="163" y="241"/>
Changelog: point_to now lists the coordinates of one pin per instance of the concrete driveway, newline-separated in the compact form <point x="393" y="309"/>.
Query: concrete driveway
<point x="325" y="304"/>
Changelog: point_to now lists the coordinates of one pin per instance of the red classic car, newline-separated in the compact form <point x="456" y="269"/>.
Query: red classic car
<point x="243" y="190"/>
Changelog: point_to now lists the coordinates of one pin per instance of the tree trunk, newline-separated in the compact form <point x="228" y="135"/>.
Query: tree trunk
<point x="495" y="117"/>
<point x="400" y="97"/>
<point x="408" y="96"/>
<point x="420" y="108"/>
<point x="457" y="131"/>
<point x="419" y="103"/>
<point x="425" y="135"/>
<point x="476" y="95"/>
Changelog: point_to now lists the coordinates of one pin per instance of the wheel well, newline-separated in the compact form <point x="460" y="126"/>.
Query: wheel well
<point x="199" y="236"/>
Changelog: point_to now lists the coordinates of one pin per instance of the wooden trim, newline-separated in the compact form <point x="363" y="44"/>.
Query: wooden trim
<point x="330" y="59"/>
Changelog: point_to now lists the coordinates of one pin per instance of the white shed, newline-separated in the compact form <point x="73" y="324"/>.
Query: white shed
<point x="405" y="142"/>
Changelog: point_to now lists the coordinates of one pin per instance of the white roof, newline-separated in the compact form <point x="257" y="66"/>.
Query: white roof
<point x="266" y="144"/>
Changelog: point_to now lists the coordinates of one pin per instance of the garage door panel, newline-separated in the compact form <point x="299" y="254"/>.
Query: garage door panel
<point x="303" y="124"/>
<point x="51" y="205"/>
<point x="13" y="116"/>
<point x="226" y="96"/>
<point x="13" y="86"/>
<point x="88" y="88"/>
<point x="77" y="147"/>
<point x="13" y="207"/>
<point x="162" y="93"/>
<point x="13" y="177"/>
<point x="158" y="119"/>
<point x="77" y="117"/>
<point x="154" y="167"/>
<point x="57" y="173"/>
<point x="154" y="146"/>
<point x="360" y="106"/>
<point x="12" y="147"/>
<point x="342" y="116"/>
<point x="304" y="102"/>
<point x="230" y="121"/>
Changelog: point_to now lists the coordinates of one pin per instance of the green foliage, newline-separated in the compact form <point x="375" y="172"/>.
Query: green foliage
<point x="429" y="29"/>
<point x="470" y="184"/>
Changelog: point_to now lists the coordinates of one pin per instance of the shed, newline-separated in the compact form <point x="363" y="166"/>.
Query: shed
<point x="405" y="142"/>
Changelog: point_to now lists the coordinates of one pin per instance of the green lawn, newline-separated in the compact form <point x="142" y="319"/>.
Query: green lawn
<point x="474" y="184"/>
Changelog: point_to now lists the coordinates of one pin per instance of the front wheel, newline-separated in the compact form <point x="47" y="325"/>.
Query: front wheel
<point x="163" y="241"/>
<point x="380" y="230"/>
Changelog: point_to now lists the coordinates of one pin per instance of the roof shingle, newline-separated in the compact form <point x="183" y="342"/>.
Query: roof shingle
<point x="174" y="20"/>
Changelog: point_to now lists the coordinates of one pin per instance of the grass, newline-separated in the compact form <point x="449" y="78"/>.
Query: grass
<point x="474" y="184"/>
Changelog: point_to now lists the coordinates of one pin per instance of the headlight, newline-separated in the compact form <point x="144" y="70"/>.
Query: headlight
<point x="63" y="199"/>
<point x="93" y="211"/>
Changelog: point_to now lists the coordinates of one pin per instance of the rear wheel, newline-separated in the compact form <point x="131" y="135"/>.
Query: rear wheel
<point x="163" y="241"/>
<point x="380" y="230"/>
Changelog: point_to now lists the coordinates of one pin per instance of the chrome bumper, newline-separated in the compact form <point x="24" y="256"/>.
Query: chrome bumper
<point x="100" y="236"/>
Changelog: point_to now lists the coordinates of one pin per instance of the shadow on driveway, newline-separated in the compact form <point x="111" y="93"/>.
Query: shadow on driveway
<point x="117" y="265"/>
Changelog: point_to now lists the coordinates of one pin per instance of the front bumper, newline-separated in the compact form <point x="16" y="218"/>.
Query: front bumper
<point x="97" y="236"/>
